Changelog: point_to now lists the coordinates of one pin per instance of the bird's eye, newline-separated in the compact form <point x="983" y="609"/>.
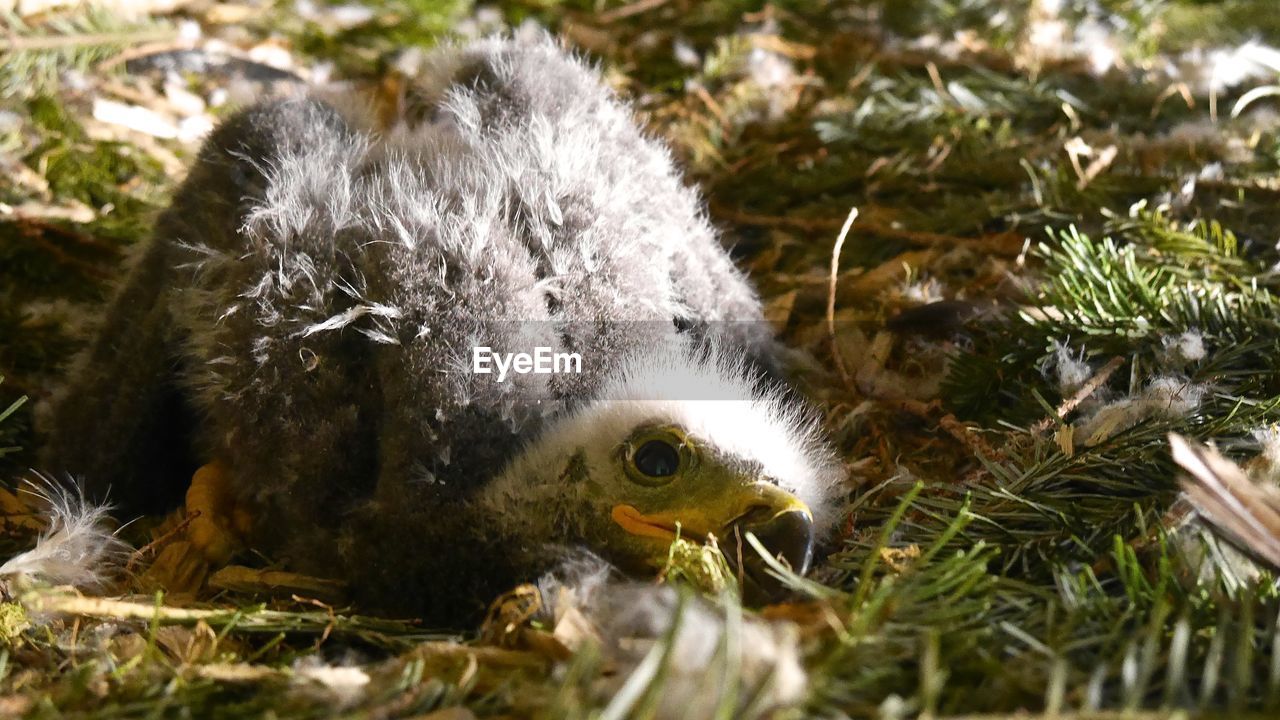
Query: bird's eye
<point x="657" y="455"/>
<point x="657" y="459"/>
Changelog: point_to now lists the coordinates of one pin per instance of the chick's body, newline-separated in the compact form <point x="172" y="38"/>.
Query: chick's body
<point x="307" y="310"/>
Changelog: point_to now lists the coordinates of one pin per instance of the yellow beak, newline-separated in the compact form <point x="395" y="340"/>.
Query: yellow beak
<point x="780" y="520"/>
<point x="759" y="503"/>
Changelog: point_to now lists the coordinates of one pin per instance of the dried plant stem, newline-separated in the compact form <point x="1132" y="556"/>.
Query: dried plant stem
<point x="831" y="298"/>
<point x="256" y="619"/>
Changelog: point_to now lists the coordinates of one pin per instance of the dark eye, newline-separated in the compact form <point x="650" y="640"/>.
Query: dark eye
<point x="657" y="458"/>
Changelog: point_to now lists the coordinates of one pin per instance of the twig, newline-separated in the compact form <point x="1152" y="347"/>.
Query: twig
<point x="1008" y="243"/>
<point x="1088" y="388"/>
<point x="808" y="224"/>
<point x="936" y="78"/>
<point x="1180" y="89"/>
<point x="62" y="42"/>
<point x="62" y="256"/>
<point x="831" y="298"/>
<point x="782" y="46"/>
<point x="713" y="106"/>
<point x="163" y="539"/>
<point x="333" y="618"/>
<point x="39" y="224"/>
<point x="949" y="423"/>
<point x="626" y="11"/>
<point x="976" y="444"/>
<point x="167" y="45"/>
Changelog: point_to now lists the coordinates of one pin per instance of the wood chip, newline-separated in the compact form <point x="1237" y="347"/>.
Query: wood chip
<point x="134" y="117"/>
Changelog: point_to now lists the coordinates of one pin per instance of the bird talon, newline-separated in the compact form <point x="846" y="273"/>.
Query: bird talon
<point x="217" y="531"/>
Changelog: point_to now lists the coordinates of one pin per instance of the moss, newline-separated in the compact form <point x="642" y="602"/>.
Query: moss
<point x="700" y="565"/>
<point x="14" y="621"/>
<point x="395" y="26"/>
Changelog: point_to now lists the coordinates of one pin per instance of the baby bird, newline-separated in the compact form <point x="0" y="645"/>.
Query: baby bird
<point x="307" y="324"/>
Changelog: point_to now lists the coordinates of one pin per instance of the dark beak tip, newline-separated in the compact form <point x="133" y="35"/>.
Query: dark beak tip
<point x="790" y="537"/>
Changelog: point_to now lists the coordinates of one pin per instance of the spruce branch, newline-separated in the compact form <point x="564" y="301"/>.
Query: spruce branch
<point x="33" y="57"/>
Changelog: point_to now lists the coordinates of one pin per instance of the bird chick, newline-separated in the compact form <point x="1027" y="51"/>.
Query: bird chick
<point x="303" y="325"/>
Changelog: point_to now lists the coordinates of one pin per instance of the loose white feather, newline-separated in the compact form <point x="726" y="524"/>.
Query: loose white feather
<point x="720" y="659"/>
<point x="75" y="549"/>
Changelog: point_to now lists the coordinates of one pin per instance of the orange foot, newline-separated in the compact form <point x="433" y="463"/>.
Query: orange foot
<point x="219" y="530"/>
